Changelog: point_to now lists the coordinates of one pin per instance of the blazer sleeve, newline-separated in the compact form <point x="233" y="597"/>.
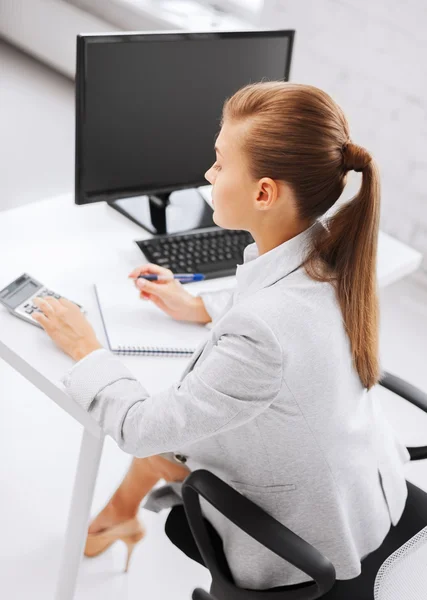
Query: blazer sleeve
<point x="240" y="377"/>
<point x="217" y="301"/>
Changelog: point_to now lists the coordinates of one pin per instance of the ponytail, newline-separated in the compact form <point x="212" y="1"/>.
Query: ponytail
<point x="348" y="248"/>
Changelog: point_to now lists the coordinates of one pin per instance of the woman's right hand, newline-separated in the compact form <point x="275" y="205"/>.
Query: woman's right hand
<point x="170" y="296"/>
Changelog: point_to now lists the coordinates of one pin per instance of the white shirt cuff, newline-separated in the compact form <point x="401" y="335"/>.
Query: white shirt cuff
<point x="93" y="373"/>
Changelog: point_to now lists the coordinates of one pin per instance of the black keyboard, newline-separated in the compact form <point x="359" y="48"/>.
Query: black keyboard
<point x="214" y="253"/>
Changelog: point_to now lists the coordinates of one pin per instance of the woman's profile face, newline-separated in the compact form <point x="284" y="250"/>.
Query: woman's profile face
<point x="232" y="186"/>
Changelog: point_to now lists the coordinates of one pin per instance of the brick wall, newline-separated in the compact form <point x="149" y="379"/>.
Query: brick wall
<point x="371" y="56"/>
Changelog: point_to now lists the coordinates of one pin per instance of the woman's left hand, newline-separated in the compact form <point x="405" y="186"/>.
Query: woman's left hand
<point x="68" y="327"/>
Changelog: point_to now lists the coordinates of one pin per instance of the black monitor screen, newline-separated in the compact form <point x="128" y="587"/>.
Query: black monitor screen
<point x="149" y="105"/>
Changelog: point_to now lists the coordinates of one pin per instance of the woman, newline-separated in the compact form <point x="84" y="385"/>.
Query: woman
<point x="277" y="402"/>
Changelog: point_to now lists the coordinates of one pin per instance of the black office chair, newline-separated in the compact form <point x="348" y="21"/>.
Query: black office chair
<point x="403" y="574"/>
<point x="281" y="540"/>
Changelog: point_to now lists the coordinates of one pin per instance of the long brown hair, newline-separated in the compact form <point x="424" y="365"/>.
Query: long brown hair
<point x="299" y="135"/>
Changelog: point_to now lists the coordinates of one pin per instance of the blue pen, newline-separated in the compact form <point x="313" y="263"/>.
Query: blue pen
<point x="182" y="277"/>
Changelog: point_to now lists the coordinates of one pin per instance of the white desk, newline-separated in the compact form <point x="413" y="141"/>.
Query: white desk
<point x="68" y="247"/>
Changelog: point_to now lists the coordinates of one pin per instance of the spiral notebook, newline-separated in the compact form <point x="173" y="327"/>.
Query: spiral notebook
<point x="136" y="326"/>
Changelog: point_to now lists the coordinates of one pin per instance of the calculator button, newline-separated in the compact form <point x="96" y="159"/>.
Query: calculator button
<point x="29" y="310"/>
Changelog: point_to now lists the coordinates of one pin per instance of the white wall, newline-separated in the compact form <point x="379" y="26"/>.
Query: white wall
<point x="48" y="29"/>
<point x="37" y="130"/>
<point x="371" y="56"/>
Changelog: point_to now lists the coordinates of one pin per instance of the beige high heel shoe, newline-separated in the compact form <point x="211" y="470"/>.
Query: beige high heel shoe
<point x="130" y="532"/>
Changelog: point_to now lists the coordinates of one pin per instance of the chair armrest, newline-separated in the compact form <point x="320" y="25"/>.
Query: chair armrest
<point x="412" y="394"/>
<point x="259" y="525"/>
<point x="200" y="594"/>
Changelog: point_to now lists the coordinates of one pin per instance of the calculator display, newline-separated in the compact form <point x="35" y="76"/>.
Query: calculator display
<point x="16" y="294"/>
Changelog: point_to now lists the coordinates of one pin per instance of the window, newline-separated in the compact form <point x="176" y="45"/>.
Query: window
<point x="247" y="10"/>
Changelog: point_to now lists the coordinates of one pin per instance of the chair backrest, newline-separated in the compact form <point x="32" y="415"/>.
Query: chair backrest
<point x="262" y="527"/>
<point x="404" y="573"/>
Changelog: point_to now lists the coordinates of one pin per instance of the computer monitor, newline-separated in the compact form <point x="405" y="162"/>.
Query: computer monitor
<point x="148" y="109"/>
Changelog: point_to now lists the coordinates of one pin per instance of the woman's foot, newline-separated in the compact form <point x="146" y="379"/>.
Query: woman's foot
<point x="113" y="514"/>
<point x="130" y="532"/>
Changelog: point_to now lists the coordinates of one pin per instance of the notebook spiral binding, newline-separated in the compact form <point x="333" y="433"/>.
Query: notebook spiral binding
<point x="153" y="351"/>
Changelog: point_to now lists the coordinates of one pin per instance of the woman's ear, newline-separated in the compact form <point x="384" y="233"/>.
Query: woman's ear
<point x="267" y="193"/>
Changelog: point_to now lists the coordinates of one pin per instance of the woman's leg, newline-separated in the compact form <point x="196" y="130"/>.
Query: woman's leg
<point x="143" y="474"/>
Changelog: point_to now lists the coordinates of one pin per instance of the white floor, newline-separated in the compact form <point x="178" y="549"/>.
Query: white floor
<point x="40" y="444"/>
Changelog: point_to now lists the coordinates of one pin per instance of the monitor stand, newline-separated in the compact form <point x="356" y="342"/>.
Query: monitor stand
<point x="169" y="212"/>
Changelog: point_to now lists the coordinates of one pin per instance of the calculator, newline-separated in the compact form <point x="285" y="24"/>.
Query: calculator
<point x="18" y="296"/>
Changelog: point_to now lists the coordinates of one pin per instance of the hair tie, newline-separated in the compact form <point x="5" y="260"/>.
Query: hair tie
<point x="355" y="158"/>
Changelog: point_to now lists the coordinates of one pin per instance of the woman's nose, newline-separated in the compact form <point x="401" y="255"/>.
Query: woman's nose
<point x="207" y="176"/>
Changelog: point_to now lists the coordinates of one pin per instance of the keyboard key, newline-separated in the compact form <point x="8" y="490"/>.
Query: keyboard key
<point x="208" y="267"/>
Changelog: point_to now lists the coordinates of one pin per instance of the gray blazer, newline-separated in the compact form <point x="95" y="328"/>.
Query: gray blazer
<point x="272" y="404"/>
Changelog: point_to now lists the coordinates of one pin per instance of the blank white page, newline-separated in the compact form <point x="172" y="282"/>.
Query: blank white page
<point x="133" y="323"/>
